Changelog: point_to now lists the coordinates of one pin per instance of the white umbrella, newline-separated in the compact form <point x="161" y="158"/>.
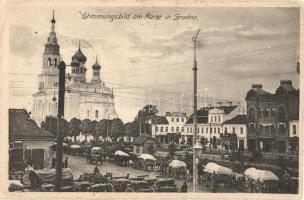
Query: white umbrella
<point x="75" y="146"/>
<point x="177" y="163"/>
<point x="260" y="175"/>
<point x="218" y="169"/>
<point x="147" y="157"/>
<point x="120" y="153"/>
<point x="96" y="149"/>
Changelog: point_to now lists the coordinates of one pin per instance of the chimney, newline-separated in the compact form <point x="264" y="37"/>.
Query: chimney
<point x="287" y="85"/>
<point x="229" y="103"/>
<point x="219" y="103"/>
<point x="257" y="86"/>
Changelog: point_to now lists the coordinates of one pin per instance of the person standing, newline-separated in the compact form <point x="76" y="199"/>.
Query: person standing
<point x="66" y="162"/>
<point x="213" y="182"/>
<point x="184" y="187"/>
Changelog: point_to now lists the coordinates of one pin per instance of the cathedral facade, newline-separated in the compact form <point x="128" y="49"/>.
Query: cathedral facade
<point x="83" y="99"/>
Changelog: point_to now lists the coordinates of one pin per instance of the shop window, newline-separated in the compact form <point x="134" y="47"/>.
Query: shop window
<point x="294" y="129"/>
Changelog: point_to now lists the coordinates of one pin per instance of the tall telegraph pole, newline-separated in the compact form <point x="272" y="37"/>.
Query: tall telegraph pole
<point x="60" y="115"/>
<point x="195" y="178"/>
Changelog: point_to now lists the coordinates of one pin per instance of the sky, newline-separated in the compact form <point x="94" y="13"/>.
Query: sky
<point x="150" y="61"/>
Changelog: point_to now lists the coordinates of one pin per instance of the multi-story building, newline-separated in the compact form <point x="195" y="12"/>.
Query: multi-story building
<point x="210" y="123"/>
<point x="268" y="116"/>
<point x="169" y="128"/>
<point x="83" y="99"/>
<point x="293" y="146"/>
<point x="237" y="127"/>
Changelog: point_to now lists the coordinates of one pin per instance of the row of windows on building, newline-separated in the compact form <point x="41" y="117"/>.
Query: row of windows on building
<point x="177" y="119"/>
<point x="78" y="71"/>
<point x="215" y="119"/>
<point x="199" y="130"/>
<point x="267" y="112"/>
<point x="50" y="62"/>
<point x="96" y="113"/>
<point x="166" y="129"/>
<point x="269" y="130"/>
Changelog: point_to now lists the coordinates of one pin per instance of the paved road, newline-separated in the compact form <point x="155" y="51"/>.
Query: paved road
<point x="80" y="166"/>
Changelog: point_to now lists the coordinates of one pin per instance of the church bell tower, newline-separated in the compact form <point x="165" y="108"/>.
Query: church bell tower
<point x="50" y="60"/>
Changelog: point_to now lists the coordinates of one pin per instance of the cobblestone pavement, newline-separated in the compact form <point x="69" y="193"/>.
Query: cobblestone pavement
<point x="79" y="166"/>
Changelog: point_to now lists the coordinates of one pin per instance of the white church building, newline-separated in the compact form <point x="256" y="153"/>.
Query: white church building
<point x="83" y="99"/>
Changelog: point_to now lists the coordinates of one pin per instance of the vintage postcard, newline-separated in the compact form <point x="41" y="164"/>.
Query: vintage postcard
<point x="190" y="100"/>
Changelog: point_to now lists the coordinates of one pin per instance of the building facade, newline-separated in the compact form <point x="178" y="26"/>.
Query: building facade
<point x="293" y="146"/>
<point x="269" y="115"/>
<point x="237" y="126"/>
<point x="210" y="123"/>
<point x="169" y="128"/>
<point x="83" y="99"/>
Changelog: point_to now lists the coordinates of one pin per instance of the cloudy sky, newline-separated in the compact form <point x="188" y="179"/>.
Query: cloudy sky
<point x="237" y="47"/>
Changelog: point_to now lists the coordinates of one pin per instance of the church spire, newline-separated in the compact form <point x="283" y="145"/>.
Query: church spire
<point x="51" y="46"/>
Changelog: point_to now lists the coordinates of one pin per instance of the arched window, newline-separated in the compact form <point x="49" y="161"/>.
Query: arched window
<point x="96" y="114"/>
<point x="251" y="115"/>
<point x="55" y="61"/>
<point x="88" y="114"/>
<point x="49" y="62"/>
<point x="281" y="115"/>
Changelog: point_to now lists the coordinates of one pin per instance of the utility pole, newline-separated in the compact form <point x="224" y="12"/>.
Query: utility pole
<point x="108" y="127"/>
<point x="60" y="114"/>
<point x="195" y="174"/>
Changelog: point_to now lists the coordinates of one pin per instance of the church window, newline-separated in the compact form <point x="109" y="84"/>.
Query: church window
<point x="96" y="114"/>
<point x="49" y="62"/>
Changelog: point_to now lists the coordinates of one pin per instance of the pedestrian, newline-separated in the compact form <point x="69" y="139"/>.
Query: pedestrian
<point x="286" y="181"/>
<point x="66" y="162"/>
<point x="213" y="182"/>
<point x="96" y="170"/>
<point x="184" y="187"/>
<point x="53" y="162"/>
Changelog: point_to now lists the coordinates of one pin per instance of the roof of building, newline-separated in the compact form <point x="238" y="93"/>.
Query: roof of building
<point x="160" y="120"/>
<point x="202" y="114"/>
<point x="142" y="139"/>
<point x="239" y="119"/>
<point x="21" y="126"/>
<point x="176" y="114"/>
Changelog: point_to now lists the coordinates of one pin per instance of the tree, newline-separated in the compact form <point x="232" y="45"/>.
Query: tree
<point x="65" y="127"/>
<point x="101" y="128"/>
<point x="132" y="128"/>
<point x="85" y="127"/>
<point x="116" y="128"/>
<point x="50" y="125"/>
<point x="93" y="128"/>
<point x="148" y="113"/>
<point x="74" y="127"/>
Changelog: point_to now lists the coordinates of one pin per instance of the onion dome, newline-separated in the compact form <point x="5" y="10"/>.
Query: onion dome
<point x="79" y="56"/>
<point x="96" y="66"/>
